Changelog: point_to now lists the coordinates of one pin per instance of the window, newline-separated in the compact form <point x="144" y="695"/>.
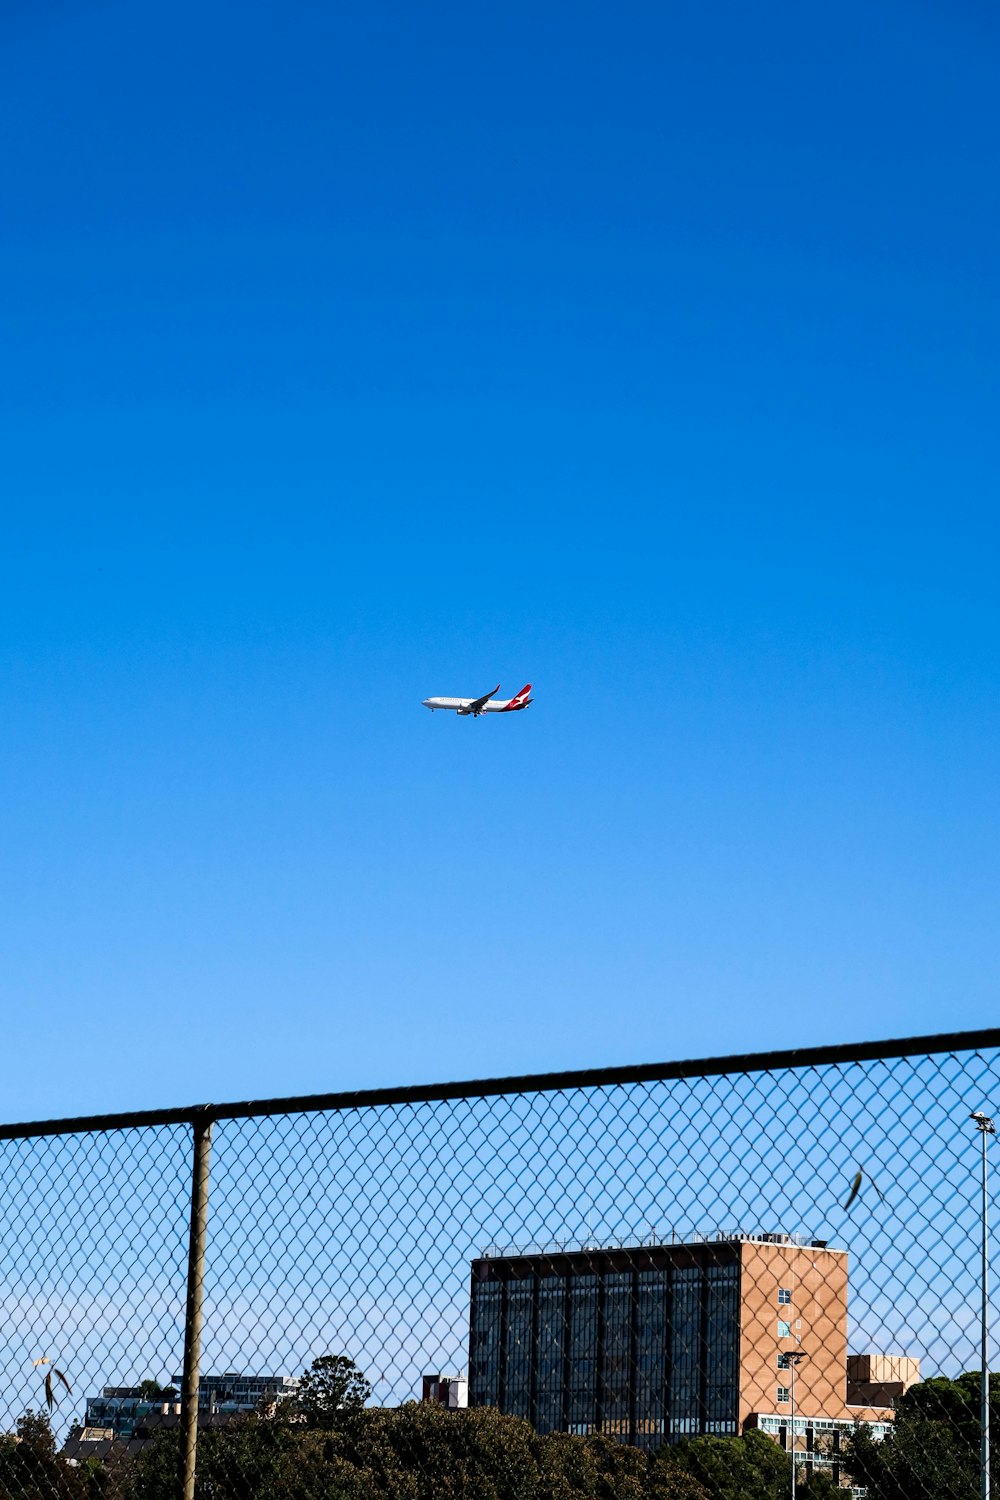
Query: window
<point x="783" y="1395"/>
<point x="582" y="1394"/>
<point x="485" y="1349"/>
<point x="784" y="1330"/>
<point x="518" y="1352"/>
<point x="784" y="1361"/>
<point x="721" y="1349"/>
<point x="551" y="1336"/>
<point x="619" y="1301"/>
<point x="784" y="1296"/>
<point x="685" y="1351"/>
<point x="650" y="1357"/>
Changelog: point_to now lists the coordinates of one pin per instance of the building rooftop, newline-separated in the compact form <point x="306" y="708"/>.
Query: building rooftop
<point x="655" y="1238"/>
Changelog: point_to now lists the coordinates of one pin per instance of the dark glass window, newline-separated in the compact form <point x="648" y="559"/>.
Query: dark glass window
<point x="518" y="1352"/>
<point x="582" y="1392"/>
<point x="618" y="1301"/>
<point x="685" y="1351"/>
<point x="484" y="1351"/>
<point x="551" y="1352"/>
<point x="646" y="1353"/>
<point x="722" y="1331"/>
<point x="650" y="1357"/>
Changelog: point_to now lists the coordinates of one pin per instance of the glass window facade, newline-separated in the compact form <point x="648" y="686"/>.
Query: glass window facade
<point x="584" y="1303"/>
<point x="784" y="1330"/>
<point x="519" y="1355"/>
<point x="551" y="1353"/>
<point x="651" y="1349"/>
<point x="616" y="1375"/>
<point x="638" y="1345"/>
<point x="784" y="1296"/>
<point x="685" y="1351"/>
<point x="484" y="1342"/>
<point x="720" y="1349"/>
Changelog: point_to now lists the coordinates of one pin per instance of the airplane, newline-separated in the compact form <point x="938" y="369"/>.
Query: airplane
<point x="487" y="704"/>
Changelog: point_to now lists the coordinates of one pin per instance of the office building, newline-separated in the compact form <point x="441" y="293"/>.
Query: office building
<point x="653" y="1343"/>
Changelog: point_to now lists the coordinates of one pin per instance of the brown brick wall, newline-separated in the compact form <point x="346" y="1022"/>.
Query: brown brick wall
<point x="817" y="1315"/>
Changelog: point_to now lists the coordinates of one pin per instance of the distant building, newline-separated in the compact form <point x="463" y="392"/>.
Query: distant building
<point x="879" y="1379"/>
<point x="237" y="1393"/>
<point x="111" y="1446"/>
<point x="451" y="1391"/>
<point x="121" y="1411"/>
<point x="653" y="1343"/>
<point x="116" y="1411"/>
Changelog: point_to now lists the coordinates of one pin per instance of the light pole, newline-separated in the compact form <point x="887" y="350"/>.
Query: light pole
<point x="793" y="1360"/>
<point x="986" y="1128"/>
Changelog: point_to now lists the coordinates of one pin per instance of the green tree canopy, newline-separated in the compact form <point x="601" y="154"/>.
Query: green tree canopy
<point x="331" y="1386"/>
<point x="751" y="1467"/>
<point x="30" y="1467"/>
<point x="415" y="1452"/>
<point x="421" y="1451"/>
<point x="932" y="1451"/>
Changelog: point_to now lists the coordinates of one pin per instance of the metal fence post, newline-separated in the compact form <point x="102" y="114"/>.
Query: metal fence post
<point x="195" y="1288"/>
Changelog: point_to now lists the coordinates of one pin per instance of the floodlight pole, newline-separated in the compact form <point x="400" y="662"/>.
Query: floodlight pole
<point x="793" y="1360"/>
<point x="986" y="1128"/>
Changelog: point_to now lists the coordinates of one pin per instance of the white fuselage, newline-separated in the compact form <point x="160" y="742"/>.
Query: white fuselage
<point x="485" y="704"/>
<point x="464" y="705"/>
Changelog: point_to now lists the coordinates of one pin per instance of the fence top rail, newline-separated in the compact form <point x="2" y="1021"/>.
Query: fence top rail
<point x="529" y="1083"/>
<point x="943" y="1043"/>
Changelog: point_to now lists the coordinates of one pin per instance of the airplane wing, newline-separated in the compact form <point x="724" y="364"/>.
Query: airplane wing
<point x="476" y="706"/>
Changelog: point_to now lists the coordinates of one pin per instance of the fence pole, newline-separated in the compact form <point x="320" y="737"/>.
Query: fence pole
<point x="984" y="1394"/>
<point x="195" y="1288"/>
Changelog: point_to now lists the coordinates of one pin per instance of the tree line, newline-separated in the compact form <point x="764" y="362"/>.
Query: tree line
<point x="326" y="1444"/>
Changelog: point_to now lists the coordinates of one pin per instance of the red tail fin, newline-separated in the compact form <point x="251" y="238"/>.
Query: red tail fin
<point x="520" y="700"/>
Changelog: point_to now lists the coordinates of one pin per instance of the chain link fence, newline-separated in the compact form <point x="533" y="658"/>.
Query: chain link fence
<point x="746" y="1277"/>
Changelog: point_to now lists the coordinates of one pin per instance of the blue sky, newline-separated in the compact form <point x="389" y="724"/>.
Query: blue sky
<point x="647" y="353"/>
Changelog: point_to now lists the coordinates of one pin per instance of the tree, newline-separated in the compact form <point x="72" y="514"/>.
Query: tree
<point x="332" y="1386"/>
<point x="750" y="1467"/>
<point x="423" y="1452"/>
<point x="932" y="1450"/>
<point x="30" y="1467"/>
<point x="150" y="1388"/>
<point x="243" y="1458"/>
<point x="571" y="1467"/>
<point x="819" y="1485"/>
<point x="919" y="1458"/>
<point x="667" y="1483"/>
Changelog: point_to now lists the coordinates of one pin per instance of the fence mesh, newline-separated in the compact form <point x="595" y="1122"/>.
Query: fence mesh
<point x="719" y="1285"/>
